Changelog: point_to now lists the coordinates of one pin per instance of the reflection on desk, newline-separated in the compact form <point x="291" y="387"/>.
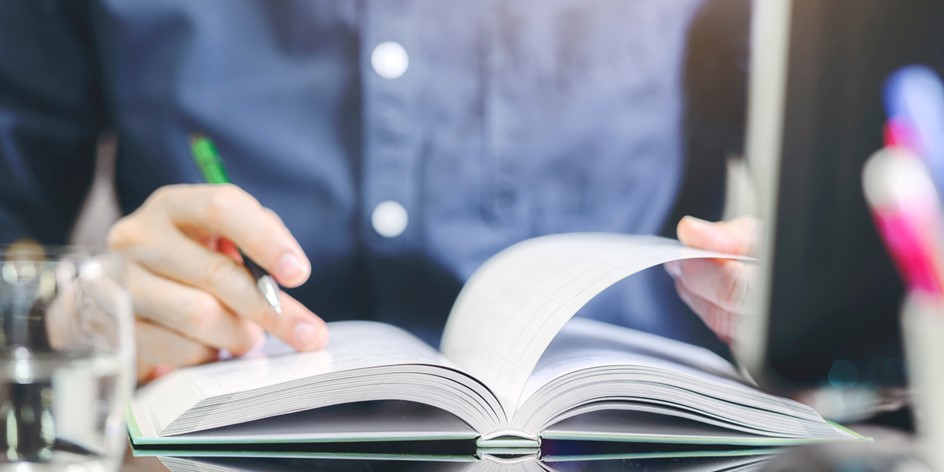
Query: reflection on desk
<point x="233" y="464"/>
<point x="892" y="450"/>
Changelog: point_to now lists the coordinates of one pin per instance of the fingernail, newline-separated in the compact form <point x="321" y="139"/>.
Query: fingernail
<point x="291" y="268"/>
<point x="307" y="337"/>
<point x="673" y="268"/>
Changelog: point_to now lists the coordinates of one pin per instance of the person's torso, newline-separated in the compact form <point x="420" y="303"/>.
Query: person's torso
<point x="503" y="120"/>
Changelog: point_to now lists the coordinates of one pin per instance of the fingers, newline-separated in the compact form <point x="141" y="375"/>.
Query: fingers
<point x="309" y="333"/>
<point x="228" y="211"/>
<point x="162" y="236"/>
<point x="719" y="320"/>
<point x="193" y="294"/>
<point x="227" y="247"/>
<point x="160" y="348"/>
<point x="727" y="284"/>
<point x="196" y="266"/>
<point x="719" y="291"/>
<point x="732" y="237"/>
<point x="191" y="312"/>
<point x="149" y="373"/>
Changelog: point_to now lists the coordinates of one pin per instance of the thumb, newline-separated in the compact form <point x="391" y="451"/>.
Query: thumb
<point x="731" y="236"/>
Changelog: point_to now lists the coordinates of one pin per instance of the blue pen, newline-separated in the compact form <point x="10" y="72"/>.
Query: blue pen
<point x="914" y="97"/>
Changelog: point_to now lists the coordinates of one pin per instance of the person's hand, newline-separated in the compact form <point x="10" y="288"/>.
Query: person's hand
<point x="718" y="291"/>
<point x="191" y="295"/>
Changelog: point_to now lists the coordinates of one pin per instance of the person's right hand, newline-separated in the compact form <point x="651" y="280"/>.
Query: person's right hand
<point x="192" y="296"/>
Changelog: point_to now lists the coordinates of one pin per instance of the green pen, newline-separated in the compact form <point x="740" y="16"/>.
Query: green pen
<point x="211" y="166"/>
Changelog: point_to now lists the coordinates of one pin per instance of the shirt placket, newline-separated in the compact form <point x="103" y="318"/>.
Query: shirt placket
<point x="390" y="205"/>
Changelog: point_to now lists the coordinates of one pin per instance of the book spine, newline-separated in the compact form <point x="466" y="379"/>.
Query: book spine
<point x="508" y="440"/>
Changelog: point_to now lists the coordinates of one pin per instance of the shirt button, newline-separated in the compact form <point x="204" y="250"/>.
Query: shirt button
<point x="389" y="60"/>
<point x="389" y="219"/>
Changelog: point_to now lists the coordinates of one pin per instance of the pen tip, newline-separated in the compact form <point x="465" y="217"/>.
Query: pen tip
<point x="270" y="290"/>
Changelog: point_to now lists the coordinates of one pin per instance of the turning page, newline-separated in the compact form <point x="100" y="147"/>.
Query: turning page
<point x="515" y="304"/>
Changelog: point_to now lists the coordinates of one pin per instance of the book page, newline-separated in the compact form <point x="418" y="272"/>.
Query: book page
<point x="585" y="344"/>
<point x="353" y="345"/>
<point x="590" y="360"/>
<point x="386" y="420"/>
<point x="517" y="302"/>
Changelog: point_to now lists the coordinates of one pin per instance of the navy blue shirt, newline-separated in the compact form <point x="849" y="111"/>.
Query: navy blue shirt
<point x="483" y="123"/>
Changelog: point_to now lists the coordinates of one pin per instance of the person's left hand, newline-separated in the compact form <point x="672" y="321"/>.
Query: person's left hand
<point x="718" y="291"/>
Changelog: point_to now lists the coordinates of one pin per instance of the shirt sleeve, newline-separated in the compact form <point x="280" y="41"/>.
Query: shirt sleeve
<point x="50" y="116"/>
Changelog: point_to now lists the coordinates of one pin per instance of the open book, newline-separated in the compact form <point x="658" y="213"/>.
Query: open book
<point x="514" y="370"/>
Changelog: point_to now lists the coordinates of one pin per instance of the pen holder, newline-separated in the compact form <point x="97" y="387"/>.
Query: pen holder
<point x="923" y="323"/>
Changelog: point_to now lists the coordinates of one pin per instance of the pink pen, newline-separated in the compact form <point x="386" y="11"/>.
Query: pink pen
<point x="905" y="206"/>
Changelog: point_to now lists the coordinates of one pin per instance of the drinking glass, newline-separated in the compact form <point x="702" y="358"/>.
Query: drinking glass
<point x="66" y="359"/>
